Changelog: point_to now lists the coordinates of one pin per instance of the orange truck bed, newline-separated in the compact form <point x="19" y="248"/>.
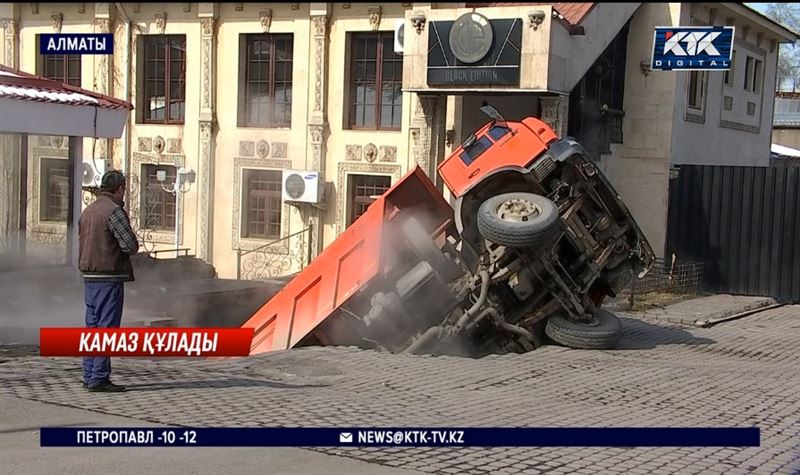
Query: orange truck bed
<point x="311" y="308"/>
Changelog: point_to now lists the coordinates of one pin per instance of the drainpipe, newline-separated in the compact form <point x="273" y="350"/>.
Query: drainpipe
<point x="126" y="142"/>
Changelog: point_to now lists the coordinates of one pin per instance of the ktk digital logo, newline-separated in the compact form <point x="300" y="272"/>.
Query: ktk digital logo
<point x="692" y="48"/>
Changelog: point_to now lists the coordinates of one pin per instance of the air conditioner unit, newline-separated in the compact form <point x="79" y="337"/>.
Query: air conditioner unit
<point x="302" y="186"/>
<point x="399" y="36"/>
<point x="93" y="171"/>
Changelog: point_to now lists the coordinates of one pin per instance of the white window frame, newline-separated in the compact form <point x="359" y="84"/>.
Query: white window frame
<point x="695" y="113"/>
<point x="730" y="75"/>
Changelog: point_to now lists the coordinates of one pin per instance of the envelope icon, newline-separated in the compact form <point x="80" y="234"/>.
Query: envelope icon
<point x="345" y="437"/>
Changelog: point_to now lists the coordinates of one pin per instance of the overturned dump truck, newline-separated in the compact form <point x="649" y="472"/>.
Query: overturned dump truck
<point x="536" y="240"/>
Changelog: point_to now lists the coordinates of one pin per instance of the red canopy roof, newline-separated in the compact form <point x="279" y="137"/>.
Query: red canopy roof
<point x="574" y="13"/>
<point x="16" y="84"/>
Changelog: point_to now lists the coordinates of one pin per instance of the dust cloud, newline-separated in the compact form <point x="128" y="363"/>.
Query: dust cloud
<point x="395" y="332"/>
<point x="34" y="296"/>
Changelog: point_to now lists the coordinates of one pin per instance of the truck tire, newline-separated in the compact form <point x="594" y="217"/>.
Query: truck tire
<point x="601" y="334"/>
<point x="518" y="219"/>
<point x="426" y="249"/>
<point x="619" y="277"/>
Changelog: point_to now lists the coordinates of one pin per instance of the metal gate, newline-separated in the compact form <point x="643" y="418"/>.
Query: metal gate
<point x="742" y="223"/>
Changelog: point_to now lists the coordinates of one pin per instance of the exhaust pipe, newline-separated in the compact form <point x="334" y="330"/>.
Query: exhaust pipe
<point x="500" y="322"/>
<point x="478" y="304"/>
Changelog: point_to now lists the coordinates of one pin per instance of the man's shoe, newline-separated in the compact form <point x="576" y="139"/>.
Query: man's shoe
<point x="85" y="386"/>
<point x="107" y="387"/>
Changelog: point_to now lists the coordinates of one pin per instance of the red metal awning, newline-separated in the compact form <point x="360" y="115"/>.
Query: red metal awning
<point x="35" y="105"/>
<point x="573" y="13"/>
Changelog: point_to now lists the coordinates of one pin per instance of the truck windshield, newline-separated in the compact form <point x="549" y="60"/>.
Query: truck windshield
<point x="498" y="131"/>
<point x="472" y="153"/>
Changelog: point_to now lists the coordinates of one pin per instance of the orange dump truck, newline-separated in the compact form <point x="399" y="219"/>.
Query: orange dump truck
<point x="536" y="239"/>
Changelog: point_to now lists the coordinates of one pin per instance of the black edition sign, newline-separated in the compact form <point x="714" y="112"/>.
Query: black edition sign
<point x="468" y="36"/>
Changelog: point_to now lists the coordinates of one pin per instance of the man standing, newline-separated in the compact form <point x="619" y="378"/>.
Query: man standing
<point x="106" y="244"/>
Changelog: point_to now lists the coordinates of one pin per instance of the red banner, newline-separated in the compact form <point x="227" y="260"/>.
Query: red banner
<point x="145" y="342"/>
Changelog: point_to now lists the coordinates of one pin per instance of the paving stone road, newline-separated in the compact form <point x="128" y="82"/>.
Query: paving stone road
<point x="740" y="373"/>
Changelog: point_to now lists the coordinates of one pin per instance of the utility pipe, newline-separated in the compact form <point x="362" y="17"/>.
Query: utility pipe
<point x="706" y="322"/>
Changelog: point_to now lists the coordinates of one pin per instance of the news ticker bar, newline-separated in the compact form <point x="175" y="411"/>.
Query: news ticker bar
<point x="401" y="437"/>
<point x="145" y="342"/>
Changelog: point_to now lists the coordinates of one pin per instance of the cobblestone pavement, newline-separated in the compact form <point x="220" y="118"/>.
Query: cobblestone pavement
<point x="740" y="373"/>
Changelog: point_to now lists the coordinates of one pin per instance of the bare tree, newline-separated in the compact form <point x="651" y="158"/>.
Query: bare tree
<point x="787" y="14"/>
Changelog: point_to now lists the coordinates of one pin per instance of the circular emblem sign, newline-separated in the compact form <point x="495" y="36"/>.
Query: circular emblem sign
<point x="471" y="37"/>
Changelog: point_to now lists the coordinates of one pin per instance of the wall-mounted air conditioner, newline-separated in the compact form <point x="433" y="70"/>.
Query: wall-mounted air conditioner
<point x="399" y="36"/>
<point x="93" y="171"/>
<point x="302" y="186"/>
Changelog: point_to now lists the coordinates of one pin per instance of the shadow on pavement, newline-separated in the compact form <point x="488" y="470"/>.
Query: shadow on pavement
<point x="9" y="351"/>
<point x="14" y="430"/>
<point x="641" y="335"/>
<point x="217" y="383"/>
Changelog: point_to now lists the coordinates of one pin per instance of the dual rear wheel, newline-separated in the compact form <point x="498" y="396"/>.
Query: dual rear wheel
<point x="522" y="220"/>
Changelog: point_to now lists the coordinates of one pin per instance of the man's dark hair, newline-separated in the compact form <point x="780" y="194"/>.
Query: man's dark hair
<point x="112" y="180"/>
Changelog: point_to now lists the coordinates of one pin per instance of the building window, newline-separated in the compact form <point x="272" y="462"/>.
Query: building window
<point x="727" y="103"/>
<point x="376" y="79"/>
<point x="157" y="205"/>
<point x="753" y="72"/>
<point x="729" y="74"/>
<point x="163" y="78"/>
<point x="748" y="73"/>
<point x="696" y="89"/>
<point x="64" y="68"/>
<point x="265" y="99"/>
<point x="262" y="207"/>
<point x="54" y="196"/>
<point x="758" y="73"/>
<point x="362" y="191"/>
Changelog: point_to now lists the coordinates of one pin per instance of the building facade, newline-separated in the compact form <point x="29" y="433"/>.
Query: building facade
<point x="238" y="92"/>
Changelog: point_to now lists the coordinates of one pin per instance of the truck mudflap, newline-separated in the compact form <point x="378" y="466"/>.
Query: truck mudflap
<point x="312" y="307"/>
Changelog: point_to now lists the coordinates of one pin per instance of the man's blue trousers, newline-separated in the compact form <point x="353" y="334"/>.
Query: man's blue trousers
<point x="103" y="310"/>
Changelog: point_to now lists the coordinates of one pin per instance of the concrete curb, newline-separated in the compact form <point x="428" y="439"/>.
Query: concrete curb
<point x="740" y="308"/>
<point x="708" y="308"/>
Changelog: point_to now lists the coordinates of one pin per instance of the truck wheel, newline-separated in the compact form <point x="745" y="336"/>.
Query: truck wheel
<point x="602" y="332"/>
<point x="619" y="277"/>
<point x="518" y="219"/>
<point x="426" y="249"/>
